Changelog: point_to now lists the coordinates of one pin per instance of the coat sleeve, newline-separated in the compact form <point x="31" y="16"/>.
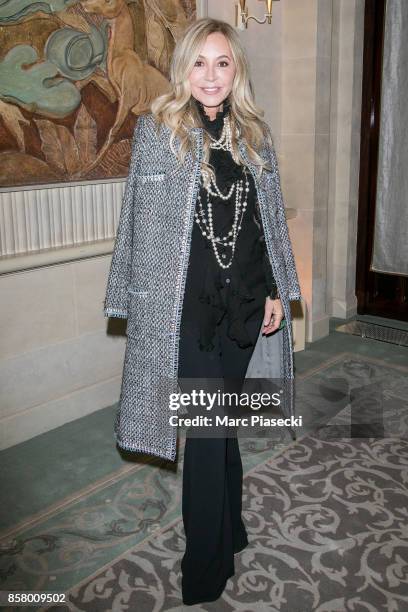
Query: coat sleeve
<point x="116" y="298"/>
<point x="293" y="282"/>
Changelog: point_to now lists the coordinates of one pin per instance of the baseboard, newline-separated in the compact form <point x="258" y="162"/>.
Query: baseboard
<point x="38" y="419"/>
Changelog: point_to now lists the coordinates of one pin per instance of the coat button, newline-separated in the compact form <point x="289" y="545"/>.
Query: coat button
<point x="227" y="280"/>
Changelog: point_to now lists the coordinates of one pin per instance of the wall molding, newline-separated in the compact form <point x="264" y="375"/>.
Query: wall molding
<point x="49" y="257"/>
<point x="56" y="218"/>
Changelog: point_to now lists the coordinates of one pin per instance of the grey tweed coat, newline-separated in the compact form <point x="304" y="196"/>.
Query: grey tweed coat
<point x="147" y="277"/>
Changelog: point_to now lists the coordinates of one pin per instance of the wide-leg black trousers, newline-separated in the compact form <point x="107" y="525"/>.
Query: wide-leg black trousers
<point x="212" y="471"/>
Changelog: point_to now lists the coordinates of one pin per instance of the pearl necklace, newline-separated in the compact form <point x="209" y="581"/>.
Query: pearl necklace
<point x="205" y="222"/>
<point x="225" y="139"/>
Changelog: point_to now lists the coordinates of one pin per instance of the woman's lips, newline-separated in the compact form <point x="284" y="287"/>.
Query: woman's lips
<point x="211" y="90"/>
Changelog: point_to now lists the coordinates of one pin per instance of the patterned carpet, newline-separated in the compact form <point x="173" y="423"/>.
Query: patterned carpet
<point x="326" y="517"/>
<point x="328" y="532"/>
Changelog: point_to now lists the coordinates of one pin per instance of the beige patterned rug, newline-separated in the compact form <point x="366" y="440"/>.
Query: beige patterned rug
<point x="328" y="531"/>
<point x="327" y="520"/>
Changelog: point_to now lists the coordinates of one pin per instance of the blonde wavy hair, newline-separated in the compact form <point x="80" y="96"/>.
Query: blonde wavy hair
<point x="177" y="110"/>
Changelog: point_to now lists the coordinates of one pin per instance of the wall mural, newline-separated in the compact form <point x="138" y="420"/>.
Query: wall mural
<point x="74" y="76"/>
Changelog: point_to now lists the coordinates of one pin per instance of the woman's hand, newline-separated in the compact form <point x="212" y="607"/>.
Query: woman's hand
<point x="273" y="315"/>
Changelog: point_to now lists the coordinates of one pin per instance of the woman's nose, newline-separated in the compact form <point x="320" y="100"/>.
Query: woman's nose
<point x="210" y="73"/>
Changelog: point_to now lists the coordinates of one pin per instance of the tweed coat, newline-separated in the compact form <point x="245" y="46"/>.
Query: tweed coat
<point x="147" y="279"/>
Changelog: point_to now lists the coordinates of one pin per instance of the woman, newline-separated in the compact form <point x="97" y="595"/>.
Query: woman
<point x="203" y="270"/>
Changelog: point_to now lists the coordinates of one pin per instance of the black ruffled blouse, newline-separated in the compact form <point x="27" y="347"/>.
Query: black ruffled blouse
<point x="239" y="291"/>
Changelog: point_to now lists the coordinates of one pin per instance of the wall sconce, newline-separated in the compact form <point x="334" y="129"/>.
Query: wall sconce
<point x="242" y="17"/>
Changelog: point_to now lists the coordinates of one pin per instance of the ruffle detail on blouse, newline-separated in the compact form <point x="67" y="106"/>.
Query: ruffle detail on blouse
<point x="214" y="126"/>
<point x="227" y="170"/>
<point x="236" y="330"/>
<point x="213" y="310"/>
<point x="216" y="306"/>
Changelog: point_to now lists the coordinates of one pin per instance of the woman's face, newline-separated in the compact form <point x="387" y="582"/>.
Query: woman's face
<point x="213" y="73"/>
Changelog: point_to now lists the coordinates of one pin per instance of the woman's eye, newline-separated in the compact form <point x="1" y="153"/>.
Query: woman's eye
<point x="198" y="62"/>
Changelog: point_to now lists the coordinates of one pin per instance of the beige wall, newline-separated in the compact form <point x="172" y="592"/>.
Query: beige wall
<point x="347" y="68"/>
<point x="56" y="362"/>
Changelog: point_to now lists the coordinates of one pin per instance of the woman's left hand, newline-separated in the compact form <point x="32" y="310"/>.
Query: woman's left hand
<point x="273" y="315"/>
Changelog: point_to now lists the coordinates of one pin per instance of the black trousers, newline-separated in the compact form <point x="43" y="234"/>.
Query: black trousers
<point x="212" y="471"/>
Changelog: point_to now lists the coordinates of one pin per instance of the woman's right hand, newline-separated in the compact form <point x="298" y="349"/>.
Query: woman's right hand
<point x="273" y="315"/>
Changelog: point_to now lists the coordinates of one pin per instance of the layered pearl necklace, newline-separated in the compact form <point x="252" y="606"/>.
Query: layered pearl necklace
<point x="205" y="221"/>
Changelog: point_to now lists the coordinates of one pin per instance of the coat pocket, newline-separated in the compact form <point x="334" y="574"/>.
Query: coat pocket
<point x="155" y="177"/>
<point x="137" y="291"/>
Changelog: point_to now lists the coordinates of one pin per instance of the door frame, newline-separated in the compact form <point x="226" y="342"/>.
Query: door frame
<point x="374" y="19"/>
<point x="377" y="293"/>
